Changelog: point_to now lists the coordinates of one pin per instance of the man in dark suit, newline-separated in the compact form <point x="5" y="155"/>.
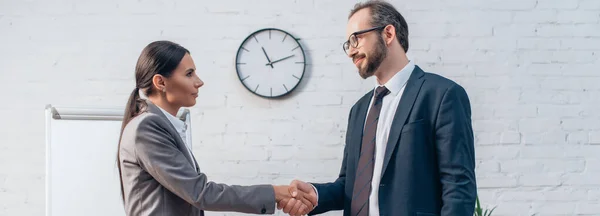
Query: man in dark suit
<point x="409" y="143"/>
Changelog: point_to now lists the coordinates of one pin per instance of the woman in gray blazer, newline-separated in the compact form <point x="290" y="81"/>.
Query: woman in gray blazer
<point x="159" y="174"/>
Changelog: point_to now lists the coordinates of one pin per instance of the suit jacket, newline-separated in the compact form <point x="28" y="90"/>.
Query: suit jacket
<point x="159" y="178"/>
<point x="429" y="163"/>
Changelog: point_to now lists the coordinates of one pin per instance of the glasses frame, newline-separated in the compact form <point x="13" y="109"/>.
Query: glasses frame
<point x="355" y="34"/>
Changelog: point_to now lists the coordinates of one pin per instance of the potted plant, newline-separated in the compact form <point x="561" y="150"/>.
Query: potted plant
<point x="480" y="212"/>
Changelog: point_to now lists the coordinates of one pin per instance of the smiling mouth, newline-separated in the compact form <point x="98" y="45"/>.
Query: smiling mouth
<point x="358" y="60"/>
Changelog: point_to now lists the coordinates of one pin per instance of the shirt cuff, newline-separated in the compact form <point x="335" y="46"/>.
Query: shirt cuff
<point x="316" y="192"/>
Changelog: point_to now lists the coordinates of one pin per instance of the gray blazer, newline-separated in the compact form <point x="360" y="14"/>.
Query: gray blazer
<point x="159" y="178"/>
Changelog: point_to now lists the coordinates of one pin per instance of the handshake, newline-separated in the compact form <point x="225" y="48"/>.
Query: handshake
<point x="298" y="198"/>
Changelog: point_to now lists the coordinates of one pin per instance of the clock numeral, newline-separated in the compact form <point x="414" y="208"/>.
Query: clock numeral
<point x="285" y="87"/>
<point x="255" y="38"/>
<point x="245" y="49"/>
<point x="256" y="88"/>
<point x="295" y="76"/>
<point x="269" y="34"/>
<point x="240" y="63"/>
<point x="299" y="62"/>
<point x="283" y="38"/>
<point x="271" y="91"/>
<point x="296" y="48"/>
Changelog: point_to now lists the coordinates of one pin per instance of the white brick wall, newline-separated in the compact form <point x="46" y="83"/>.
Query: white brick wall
<point x="530" y="67"/>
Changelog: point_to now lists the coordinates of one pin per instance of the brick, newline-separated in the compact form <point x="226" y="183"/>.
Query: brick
<point x="579" y="137"/>
<point x="537" y="180"/>
<point x="584" y="151"/>
<point x="588" y="208"/>
<point x="537" y="43"/>
<point x="556" y="4"/>
<point x="580" y="43"/>
<point x="576" y="123"/>
<point x="589" y="5"/>
<point x="496" y="181"/>
<point x="592" y="165"/>
<point x="593" y="195"/>
<point x="507" y="5"/>
<point x="568" y="30"/>
<point x="563" y="165"/>
<point x="516" y="111"/>
<point x="487" y="138"/>
<point x="429" y="30"/>
<point x="545" y="138"/>
<point x="539" y="124"/>
<point x="485" y="166"/>
<point x="580" y="179"/>
<point x="529" y="195"/>
<point x="556" y="208"/>
<point x="494" y="125"/>
<point x="551" y="151"/>
<point x="496" y="152"/>
<point x="470" y="30"/>
<point x="515" y="30"/>
<point x="594" y="137"/>
<point x="578" y="17"/>
<point x="521" y="166"/>
<point x="537" y="16"/>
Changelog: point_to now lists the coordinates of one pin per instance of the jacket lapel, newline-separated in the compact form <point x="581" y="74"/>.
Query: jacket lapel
<point x="358" y="125"/>
<point x="152" y="108"/>
<point x="413" y="85"/>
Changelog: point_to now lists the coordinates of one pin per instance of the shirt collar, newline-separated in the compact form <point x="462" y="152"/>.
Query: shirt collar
<point x="397" y="81"/>
<point x="177" y="123"/>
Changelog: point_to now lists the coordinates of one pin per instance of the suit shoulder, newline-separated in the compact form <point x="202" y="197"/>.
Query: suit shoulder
<point x="441" y="83"/>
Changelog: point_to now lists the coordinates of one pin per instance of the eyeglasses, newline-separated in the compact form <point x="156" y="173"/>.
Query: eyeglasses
<point x="353" y="40"/>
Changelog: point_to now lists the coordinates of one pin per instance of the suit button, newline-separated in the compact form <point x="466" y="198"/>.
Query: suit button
<point x="263" y="210"/>
<point x="381" y="185"/>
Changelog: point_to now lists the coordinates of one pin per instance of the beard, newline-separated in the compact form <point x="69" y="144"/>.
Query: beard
<point x="373" y="60"/>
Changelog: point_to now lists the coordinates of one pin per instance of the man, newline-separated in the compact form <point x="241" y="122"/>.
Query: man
<point x="409" y="143"/>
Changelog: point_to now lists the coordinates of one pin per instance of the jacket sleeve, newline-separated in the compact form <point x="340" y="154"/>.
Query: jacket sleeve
<point x="158" y="154"/>
<point x="456" y="154"/>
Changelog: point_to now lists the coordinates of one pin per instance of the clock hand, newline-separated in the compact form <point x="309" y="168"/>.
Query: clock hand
<point x="265" y="52"/>
<point x="271" y="63"/>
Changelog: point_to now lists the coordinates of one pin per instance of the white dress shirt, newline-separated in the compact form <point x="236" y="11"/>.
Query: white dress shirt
<point x="181" y="128"/>
<point x="388" y="109"/>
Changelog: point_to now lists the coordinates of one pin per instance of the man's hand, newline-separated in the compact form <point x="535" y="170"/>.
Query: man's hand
<point x="294" y="206"/>
<point x="303" y="203"/>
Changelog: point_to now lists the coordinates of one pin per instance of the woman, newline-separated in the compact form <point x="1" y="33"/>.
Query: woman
<point x="159" y="175"/>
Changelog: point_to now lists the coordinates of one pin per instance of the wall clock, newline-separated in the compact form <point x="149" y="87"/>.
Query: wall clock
<point x="270" y="63"/>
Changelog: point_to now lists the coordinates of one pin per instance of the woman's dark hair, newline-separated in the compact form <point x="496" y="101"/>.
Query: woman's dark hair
<point x="158" y="57"/>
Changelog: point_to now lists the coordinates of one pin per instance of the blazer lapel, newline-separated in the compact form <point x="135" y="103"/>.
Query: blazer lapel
<point x="413" y="85"/>
<point x="152" y="108"/>
<point x="358" y="125"/>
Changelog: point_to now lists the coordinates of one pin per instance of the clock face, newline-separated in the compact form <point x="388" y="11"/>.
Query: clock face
<point x="270" y="63"/>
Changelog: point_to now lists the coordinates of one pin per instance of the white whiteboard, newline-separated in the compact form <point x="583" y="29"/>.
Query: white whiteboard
<point x="81" y="170"/>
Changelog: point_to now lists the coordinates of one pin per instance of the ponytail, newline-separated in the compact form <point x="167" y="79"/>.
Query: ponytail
<point x="133" y="108"/>
<point x="158" y="57"/>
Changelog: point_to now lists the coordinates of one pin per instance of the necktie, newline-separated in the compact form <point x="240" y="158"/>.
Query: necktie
<point x="364" y="171"/>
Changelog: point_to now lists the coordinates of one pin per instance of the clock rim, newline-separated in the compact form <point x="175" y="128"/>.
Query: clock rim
<point x="238" y="70"/>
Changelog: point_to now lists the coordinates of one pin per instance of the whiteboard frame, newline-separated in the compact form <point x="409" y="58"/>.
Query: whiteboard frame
<point x="81" y="113"/>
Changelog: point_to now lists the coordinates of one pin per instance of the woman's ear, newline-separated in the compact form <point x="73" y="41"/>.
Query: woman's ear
<point x="159" y="83"/>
